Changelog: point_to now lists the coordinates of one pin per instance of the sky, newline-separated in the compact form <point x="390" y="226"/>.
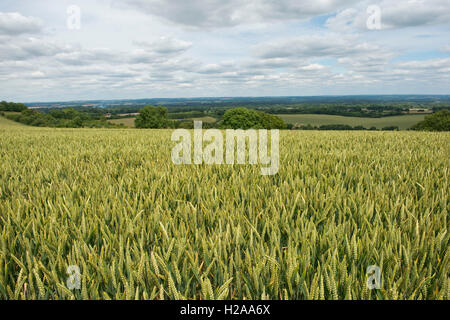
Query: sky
<point x="132" y="49"/>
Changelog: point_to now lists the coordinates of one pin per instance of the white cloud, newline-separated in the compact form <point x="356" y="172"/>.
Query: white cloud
<point x="313" y="46"/>
<point x="165" y="45"/>
<point x="85" y="57"/>
<point x="409" y="13"/>
<point x="394" y="14"/>
<point x="222" y="48"/>
<point x="219" y="13"/>
<point x="16" y="49"/>
<point x="431" y="65"/>
<point x="214" y="69"/>
<point x="446" y="49"/>
<point x="313" y="67"/>
<point x="13" y="23"/>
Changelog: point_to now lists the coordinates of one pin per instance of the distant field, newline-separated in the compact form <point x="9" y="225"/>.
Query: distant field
<point x="128" y="122"/>
<point x="205" y="119"/>
<point x="403" y="122"/>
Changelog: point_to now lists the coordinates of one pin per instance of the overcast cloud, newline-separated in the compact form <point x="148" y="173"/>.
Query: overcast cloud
<point x="155" y="48"/>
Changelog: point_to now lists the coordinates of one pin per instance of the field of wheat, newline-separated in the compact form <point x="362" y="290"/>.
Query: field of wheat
<point x="139" y="227"/>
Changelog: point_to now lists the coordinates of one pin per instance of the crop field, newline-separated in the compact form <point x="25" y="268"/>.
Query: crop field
<point x="129" y="122"/>
<point x="111" y="202"/>
<point x="205" y="119"/>
<point x="403" y="122"/>
<point x="7" y="124"/>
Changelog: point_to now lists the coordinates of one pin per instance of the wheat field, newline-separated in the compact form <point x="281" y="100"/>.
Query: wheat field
<point x="139" y="227"/>
<point x="404" y="122"/>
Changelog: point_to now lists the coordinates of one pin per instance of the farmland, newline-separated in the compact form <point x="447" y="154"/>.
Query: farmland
<point x="6" y="124"/>
<point x="139" y="227"/>
<point x="403" y="122"/>
<point x="129" y="122"/>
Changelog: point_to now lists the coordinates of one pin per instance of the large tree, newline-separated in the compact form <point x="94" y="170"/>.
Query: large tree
<point x="152" y="118"/>
<point x="439" y="121"/>
<point x="242" y="118"/>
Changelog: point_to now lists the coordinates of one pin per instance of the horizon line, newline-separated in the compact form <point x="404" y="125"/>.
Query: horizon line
<point x="233" y="97"/>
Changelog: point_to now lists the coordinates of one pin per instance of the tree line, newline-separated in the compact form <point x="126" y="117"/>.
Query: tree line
<point x="243" y="118"/>
<point x="151" y="117"/>
<point x="159" y="117"/>
<point x="57" y="118"/>
<point x="12" y="107"/>
<point x="217" y="110"/>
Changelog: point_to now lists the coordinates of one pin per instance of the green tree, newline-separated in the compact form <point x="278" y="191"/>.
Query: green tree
<point x="242" y="118"/>
<point x="152" y="118"/>
<point x="11" y="106"/>
<point x="439" y="121"/>
<point x="77" y="122"/>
